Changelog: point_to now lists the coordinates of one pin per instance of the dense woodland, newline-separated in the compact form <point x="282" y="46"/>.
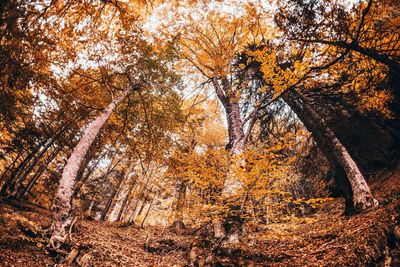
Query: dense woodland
<point x="199" y="133"/>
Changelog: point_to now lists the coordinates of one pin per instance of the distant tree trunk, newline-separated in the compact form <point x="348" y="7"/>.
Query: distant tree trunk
<point x="88" y="212"/>
<point x="18" y="175"/>
<point x="11" y="167"/>
<point x="10" y="182"/>
<point x="27" y="170"/>
<point x="62" y="201"/>
<point x="126" y="198"/>
<point x="137" y="210"/>
<point x="348" y="176"/>
<point x="24" y="192"/>
<point x="180" y="190"/>
<point x="148" y="210"/>
<point x="81" y="180"/>
<point x="180" y="199"/>
<point x="112" y="200"/>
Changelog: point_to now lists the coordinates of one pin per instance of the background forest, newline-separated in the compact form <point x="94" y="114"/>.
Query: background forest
<point x="199" y="133"/>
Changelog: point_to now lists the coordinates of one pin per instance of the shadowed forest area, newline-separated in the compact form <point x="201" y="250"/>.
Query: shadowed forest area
<point x="200" y="133"/>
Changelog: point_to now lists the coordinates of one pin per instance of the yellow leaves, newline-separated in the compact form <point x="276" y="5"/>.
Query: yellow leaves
<point x="374" y="100"/>
<point x="209" y="35"/>
<point x="367" y="86"/>
<point x="263" y="89"/>
<point x="279" y="78"/>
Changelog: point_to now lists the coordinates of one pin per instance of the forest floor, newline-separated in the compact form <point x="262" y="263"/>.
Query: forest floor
<point x="323" y="239"/>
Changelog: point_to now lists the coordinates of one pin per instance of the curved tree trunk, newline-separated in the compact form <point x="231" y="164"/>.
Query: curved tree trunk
<point x="62" y="201"/>
<point x="348" y="176"/>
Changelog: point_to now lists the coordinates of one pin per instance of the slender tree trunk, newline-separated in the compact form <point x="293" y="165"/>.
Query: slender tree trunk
<point x="126" y="198"/>
<point x="10" y="168"/>
<point x="148" y="210"/>
<point x="17" y="185"/>
<point x="88" y="212"/>
<point x="24" y="193"/>
<point x="180" y="191"/>
<point x="132" y="218"/>
<point x="19" y="174"/>
<point x="84" y="178"/>
<point x="348" y="176"/>
<point x="9" y="183"/>
<point x="180" y="200"/>
<point x="112" y="198"/>
<point x="62" y="201"/>
<point x="63" y="129"/>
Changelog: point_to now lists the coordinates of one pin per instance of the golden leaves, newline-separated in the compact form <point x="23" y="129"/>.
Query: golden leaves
<point x="281" y="79"/>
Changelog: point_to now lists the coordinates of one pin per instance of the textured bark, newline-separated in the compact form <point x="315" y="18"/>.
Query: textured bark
<point x="348" y="176"/>
<point x="232" y="109"/>
<point x="237" y="145"/>
<point x="62" y="201"/>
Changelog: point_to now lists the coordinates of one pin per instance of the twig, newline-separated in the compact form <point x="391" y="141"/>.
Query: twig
<point x="70" y="230"/>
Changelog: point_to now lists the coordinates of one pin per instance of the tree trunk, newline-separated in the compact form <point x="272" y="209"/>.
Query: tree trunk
<point x="18" y="183"/>
<point x="24" y="192"/>
<point x="81" y="180"/>
<point x="237" y="145"/>
<point x="62" y="201"/>
<point x="180" y="200"/>
<point x="112" y="200"/>
<point x="10" y="182"/>
<point x="126" y="198"/>
<point x="236" y="133"/>
<point x="348" y="176"/>
<point x="148" y="210"/>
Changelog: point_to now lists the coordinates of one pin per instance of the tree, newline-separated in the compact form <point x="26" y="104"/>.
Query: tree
<point x="62" y="201"/>
<point x="286" y="80"/>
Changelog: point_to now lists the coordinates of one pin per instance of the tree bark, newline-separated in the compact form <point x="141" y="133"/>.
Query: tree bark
<point x="348" y="176"/>
<point x="237" y="145"/>
<point x="236" y="133"/>
<point x="62" y="201"/>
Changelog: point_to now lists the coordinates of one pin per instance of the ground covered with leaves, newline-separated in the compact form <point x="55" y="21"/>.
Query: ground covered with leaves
<point x="323" y="239"/>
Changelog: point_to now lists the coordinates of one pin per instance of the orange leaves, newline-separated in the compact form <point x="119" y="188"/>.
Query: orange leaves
<point x="281" y="79"/>
<point x="210" y="34"/>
